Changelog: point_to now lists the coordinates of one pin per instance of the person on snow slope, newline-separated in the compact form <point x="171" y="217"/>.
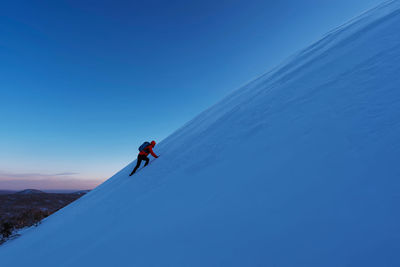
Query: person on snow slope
<point x="144" y="150"/>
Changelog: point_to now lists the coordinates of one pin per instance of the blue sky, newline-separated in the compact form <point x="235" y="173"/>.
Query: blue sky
<point x="84" y="83"/>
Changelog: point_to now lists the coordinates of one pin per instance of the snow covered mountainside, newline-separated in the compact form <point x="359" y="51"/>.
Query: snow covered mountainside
<point x="298" y="168"/>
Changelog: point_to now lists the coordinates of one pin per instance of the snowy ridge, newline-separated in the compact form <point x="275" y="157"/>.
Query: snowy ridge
<point x="297" y="168"/>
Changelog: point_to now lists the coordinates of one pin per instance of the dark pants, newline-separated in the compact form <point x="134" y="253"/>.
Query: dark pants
<point x="139" y="160"/>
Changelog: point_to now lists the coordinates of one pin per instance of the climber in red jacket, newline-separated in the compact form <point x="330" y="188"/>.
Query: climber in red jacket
<point x="144" y="150"/>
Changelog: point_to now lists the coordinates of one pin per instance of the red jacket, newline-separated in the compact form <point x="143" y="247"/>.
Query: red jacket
<point x="148" y="150"/>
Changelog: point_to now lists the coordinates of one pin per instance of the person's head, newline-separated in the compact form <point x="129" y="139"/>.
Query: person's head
<point x="153" y="143"/>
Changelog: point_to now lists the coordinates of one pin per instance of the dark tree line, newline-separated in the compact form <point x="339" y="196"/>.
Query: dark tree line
<point x="24" y="210"/>
<point x="25" y="219"/>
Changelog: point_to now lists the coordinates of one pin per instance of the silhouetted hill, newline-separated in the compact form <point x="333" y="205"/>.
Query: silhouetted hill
<point x="30" y="191"/>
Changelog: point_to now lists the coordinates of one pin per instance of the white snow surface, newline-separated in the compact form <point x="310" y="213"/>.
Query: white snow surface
<point x="298" y="168"/>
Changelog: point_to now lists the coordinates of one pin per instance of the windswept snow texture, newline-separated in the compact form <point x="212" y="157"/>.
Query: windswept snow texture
<point x="301" y="167"/>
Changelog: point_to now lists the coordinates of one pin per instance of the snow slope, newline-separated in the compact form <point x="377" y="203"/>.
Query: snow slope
<point x="298" y="168"/>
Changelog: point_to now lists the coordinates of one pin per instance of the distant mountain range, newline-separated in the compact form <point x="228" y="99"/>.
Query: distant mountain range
<point x="36" y="191"/>
<point x="30" y="191"/>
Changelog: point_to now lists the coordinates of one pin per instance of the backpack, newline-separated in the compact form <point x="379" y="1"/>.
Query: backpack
<point x="143" y="146"/>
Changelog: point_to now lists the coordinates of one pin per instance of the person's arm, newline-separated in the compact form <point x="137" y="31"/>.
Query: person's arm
<point x="152" y="153"/>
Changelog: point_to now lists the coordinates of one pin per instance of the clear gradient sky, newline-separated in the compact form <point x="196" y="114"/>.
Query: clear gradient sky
<point x="84" y="83"/>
